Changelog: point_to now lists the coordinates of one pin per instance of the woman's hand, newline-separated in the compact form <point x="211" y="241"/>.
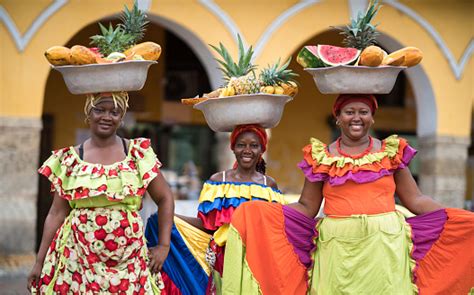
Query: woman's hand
<point x="158" y="256"/>
<point x="34" y="276"/>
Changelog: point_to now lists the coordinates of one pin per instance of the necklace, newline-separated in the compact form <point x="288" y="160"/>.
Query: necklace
<point x="366" y="151"/>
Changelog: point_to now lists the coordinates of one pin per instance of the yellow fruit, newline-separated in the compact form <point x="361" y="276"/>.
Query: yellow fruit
<point x="413" y="56"/>
<point x="389" y="61"/>
<point x="148" y="50"/>
<point x="371" y="56"/>
<point x="290" y="88"/>
<point x="58" y="55"/>
<point x="81" y="55"/>
<point x="279" y="90"/>
<point x="230" y="91"/>
<point x="269" y="89"/>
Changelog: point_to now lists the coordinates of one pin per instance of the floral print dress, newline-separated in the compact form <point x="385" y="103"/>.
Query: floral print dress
<point x="100" y="247"/>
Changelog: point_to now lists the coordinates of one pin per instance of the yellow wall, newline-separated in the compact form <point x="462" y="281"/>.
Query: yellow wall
<point x="25" y="78"/>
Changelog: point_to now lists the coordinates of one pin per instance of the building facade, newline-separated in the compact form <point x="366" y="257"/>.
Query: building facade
<point x="433" y="104"/>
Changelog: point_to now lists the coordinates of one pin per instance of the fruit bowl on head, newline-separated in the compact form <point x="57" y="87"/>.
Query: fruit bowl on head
<point x="355" y="79"/>
<point x="110" y="77"/>
<point x="223" y="114"/>
<point x="334" y="72"/>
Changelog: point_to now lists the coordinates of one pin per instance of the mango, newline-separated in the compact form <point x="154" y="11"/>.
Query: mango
<point x="81" y="55"/>
<point x="148" y="50"/>
<point x="413" y="56"/>
<point x="371" y="56"/>
<point x="58" y="55"/>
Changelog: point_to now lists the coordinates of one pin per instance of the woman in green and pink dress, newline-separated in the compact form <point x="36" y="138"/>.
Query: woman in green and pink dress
<point x="363" y="245"/>
<point x="93" y="238"/>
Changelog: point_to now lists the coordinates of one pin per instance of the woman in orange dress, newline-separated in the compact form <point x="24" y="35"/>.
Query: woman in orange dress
<point x="363" y="245"/>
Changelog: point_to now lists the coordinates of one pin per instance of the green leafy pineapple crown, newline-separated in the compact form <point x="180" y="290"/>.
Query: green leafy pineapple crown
<point x="360" y="33"/>
<point x="230" y="68"/>
<point x="126" y="34"/>
<point x="276" y="74"/>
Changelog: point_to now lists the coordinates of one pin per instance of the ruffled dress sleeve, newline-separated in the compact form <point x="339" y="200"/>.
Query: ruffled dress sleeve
<point x="75" y="179"/>
<point x="218" y="200"/>
<point x="319" y="165"/>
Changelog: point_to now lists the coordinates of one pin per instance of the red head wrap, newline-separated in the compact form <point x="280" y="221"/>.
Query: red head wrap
<point x="257" y="129"/>
<point x="344" y="99"/>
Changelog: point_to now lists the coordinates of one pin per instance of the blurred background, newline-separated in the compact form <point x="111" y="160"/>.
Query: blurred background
<point x="431" y="105"/>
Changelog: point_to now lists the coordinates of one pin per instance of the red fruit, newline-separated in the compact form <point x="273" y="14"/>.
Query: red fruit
<point x="118" y="232"/>
<point x="135" y="227"/>
<point x="124" y="223"/>
<point x="94" y="286"/>
<point x="64" y="288"/>
<point x="143" y="280"/>
<point x="102" y="188"/>
<point x="83" y="218"/>
<point x="111" y="245"/>
<point x="77" y="277"/>
<point x="124" y="285"/>
<point x="141" y="191"/>
<point x="66" y="252"/>
<point x="46" y="171"/>
<point x="100" y="234"/>
<point x="101" y="220"/>
<point x="92" y="258"/>
<point x="46" y="280"/>
<point x="145" y="144"/>
<point x="113" y="289"/>
<point x="111" y="263"/>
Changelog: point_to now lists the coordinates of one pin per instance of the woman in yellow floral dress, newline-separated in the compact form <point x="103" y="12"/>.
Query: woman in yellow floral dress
<point x="93" y="236"/>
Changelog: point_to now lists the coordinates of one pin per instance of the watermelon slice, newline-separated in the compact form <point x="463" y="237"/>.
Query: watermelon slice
<point x="335" y="56"/>
<point x="308" y="57"/>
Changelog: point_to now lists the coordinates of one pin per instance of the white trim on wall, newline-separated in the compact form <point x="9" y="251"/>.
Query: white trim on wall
<point x="426" y="109"/>
<point x="456" y="67"/>
<point x="197" y="46"/>
<point x="22" y="41"/>
<point x="278" y="22"/>
<point x="225" y="19"/>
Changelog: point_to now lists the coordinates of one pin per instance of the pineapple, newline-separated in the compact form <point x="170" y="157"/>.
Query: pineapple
<point x="125" y="35"/>
<point x="360" y="33"/>
<point x="278" y="79"/>
<point x="240" y="76"/>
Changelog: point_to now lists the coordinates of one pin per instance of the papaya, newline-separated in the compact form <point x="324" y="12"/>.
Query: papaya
<point x="81" y="55"/>
<point x="371" y="56"/>
<point x="390" y="61"/>
<point x="413" y="56"/>
<point x="58" y="55"/>
<point x="148" y="50"/>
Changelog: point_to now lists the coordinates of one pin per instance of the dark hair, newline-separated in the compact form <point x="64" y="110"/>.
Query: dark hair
<point x="261" y="166"/>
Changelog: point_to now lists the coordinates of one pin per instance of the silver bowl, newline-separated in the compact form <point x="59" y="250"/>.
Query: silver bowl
<point x="223" y="114"/>
<point x="355" y="79"/>
<point x="121" y="76"/>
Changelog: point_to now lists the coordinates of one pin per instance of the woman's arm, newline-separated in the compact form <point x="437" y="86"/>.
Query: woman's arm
<point x="411" y="196"/>
<point x="310" y="199"/>
<point x="163" y="197"/>
<point x="55" y="218"/>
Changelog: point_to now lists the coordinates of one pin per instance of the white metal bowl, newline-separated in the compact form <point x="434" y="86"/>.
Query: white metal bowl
<point x="121" y="76"/>
<point x="223" y="114"/>
<point x="355" y="79"/>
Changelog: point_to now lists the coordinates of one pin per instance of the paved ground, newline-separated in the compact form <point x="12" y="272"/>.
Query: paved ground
<point x="15" y="285"/>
